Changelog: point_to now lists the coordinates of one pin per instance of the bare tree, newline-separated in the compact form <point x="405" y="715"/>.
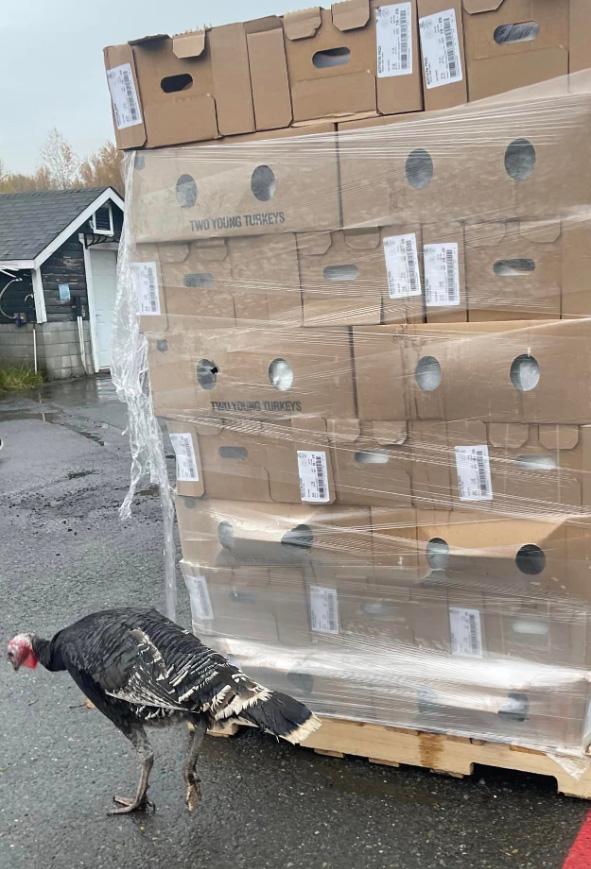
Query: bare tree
<point x="60" y="161"/>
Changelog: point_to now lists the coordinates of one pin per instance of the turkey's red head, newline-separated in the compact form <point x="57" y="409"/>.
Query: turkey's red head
<point x="21" y="652"/>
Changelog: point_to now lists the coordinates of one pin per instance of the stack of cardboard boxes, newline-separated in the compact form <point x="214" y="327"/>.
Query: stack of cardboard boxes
<point x="369" y="332"/>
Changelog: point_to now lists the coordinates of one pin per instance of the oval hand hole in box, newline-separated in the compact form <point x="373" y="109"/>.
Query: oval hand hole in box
<point x="428" y="374"/>
<point x="378" y="609"/>
<point x="537" y="463"/>
<point x="520" y="159"/>
<point x="508" y="268"/>
<point x="419" y="168"/>
<point x="207" y="373"/>
<point x="341" y="273"/>
<point x="238" y="453"/>
<point x="331" y="57"/>
<point x="437" y="553"/>
<point x="516" y="707"/>
<point x="531" y="560"/>
<point x="526" y="31"/>
<point x="525" y="373"/>
<point x="530" y="627"/>
<point x="172" y="84"/>
<point x="186" y="191"/>
<point x="304" y="682"/>
<point x="300" y="536"/>
<point x="281" y="374"/>
<point x="372" y="457"/>
<point x="197" y="280"/>
<point x="162" y="345"/>
<point x="226" y="534"/>
<point x="263" y="183"/>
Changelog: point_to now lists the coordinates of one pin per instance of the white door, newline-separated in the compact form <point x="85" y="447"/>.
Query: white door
<point x="104" y="282"/>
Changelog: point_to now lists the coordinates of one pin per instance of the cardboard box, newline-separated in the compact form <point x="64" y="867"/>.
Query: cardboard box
<point x="442" y="166"/>
<point x="518" y="371"/>
<point x="394" y="539"/>
<point x="520" y="469"/>
<point x="358" y="56"/>
<point x="217" y="283"/>
<point x="514" y="43"/>
<point x="252" y="373"/>
<point x="366" y="276"/>
<point x="267" y="535"/>
<point x="543" y="555"/>
<point x="287" y="462"/>
<point x="239" y="186"/>
<point x="442" y="50"/>
<point x="519" y="270"/>
<point x="255" y="604"/>
<point x="390" y="464"/>
<point x="199" y="85"/>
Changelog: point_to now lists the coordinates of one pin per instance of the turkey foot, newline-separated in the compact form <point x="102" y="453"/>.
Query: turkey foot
<point x="128" y="806"/>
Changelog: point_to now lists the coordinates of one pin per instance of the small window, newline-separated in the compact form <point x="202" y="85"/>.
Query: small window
<point x="102" y="220"/>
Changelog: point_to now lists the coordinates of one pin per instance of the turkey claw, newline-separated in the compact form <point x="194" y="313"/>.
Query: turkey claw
<point x="129" y="806"/>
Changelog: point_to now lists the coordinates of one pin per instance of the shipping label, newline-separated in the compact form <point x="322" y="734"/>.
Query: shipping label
<point x="313" y="471"/>
<point x="144" y="278"/>
<point x="402" y="265"/>
<point x="198" y="589"/>
<point x="442" y="274"/>
<point x="324" y="610"/>
<point x="474" y="478"/>
<point x="440" y="47"/>
<point x="466" y="632"/>
<point x="126" y="106"/>
<point x="394" y="34"/>
<point x="186" y="463"/>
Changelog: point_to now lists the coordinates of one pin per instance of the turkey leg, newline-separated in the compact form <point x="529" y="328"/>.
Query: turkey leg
<point x="193" y="795"/>
<point x="137" y="736"/>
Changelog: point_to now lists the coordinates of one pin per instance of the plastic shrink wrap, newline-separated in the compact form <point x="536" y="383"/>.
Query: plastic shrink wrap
<point x="368" y="343"/>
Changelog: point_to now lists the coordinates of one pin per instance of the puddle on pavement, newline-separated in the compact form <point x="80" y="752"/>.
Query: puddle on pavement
<point x="52" y="417"/>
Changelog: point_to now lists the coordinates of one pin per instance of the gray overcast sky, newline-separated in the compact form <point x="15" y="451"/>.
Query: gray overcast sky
<point x="51" y="62"/>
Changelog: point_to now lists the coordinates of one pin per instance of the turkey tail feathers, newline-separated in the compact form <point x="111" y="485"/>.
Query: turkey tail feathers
<point x="282" y="716"/>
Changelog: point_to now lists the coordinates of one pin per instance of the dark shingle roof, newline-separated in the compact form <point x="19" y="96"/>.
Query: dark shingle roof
<point x="30" y="221"/>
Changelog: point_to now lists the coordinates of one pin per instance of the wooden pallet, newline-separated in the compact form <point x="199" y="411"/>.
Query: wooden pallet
<point x="440" y="753"/>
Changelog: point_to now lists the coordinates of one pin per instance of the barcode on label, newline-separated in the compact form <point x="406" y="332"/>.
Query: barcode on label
<point x="474" y="477"/>
<point x="313" y="473"/>
<point x="394" y="40"/>
<point x="144" y="278"/>
<point x="402" y="266"/>
<point x="442" y="274"/>
<point x="186" y="463"/>
<point x="198" y="589"/>
<point x="466" y="632"/>
<point x="440" y="48"/>
<point x="126" y="107"/>
<point x="324" y="610"/>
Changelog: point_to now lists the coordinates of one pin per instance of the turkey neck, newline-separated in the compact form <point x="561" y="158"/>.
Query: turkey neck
<point x="49" y="654"/>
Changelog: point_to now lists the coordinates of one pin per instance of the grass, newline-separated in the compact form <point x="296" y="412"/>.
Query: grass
<point x="15" y="378"/>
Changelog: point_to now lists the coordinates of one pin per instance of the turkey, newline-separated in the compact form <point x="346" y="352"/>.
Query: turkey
<point x="139" y="668"/>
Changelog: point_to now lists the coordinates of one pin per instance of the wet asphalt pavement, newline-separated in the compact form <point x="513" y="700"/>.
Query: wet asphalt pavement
<point x="63" y="553"/>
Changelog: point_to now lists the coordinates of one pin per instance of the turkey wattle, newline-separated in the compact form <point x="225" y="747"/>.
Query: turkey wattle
<point x="139" y="668"/>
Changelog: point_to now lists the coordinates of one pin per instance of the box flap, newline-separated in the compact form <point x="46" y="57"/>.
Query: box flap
<point x="510" y="435"/>
<point x="363" y="239"/>
<point x="145" y="40"/>
<point x="344" y="430"/>
<point x="485" y="234"/>
<point x="473" y="7"/>
<point x="559" y="437"/>
<point x="350" y="15"/>
<point x="190" y="44"/>
<point x="208" y="427"/>
<point x="543" y="231"/>
<point x="314" y="243"/>
<point x="387" y="433"/>
<point x="263" y="25"/>
<point x="302" y="24"/>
